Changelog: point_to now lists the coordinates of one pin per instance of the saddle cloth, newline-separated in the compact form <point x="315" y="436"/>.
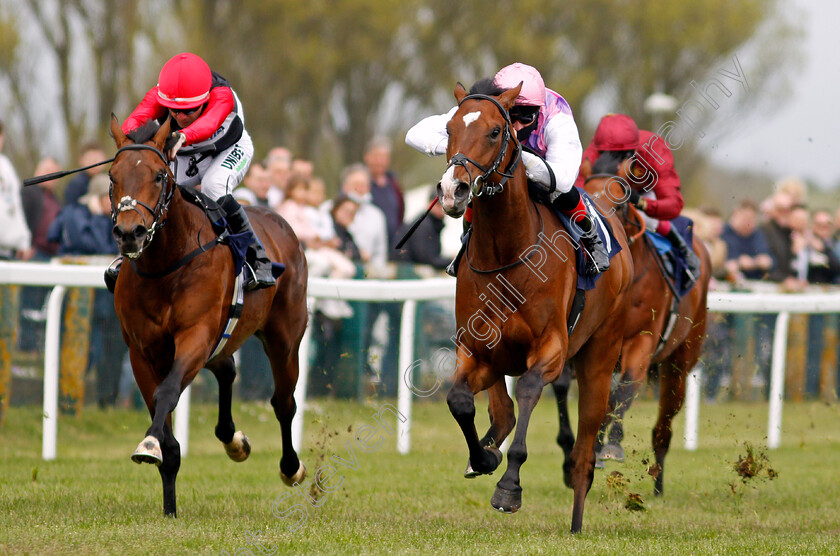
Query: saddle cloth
<point x="672" y="260"/>
<point x="604" y="232"/>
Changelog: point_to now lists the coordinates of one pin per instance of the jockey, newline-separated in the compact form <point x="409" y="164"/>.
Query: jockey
<point x="653" y="174"/>
<point x="213" y="149"/>
<point x="545" y="126"/>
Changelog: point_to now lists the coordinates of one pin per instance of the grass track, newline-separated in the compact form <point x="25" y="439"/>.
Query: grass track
<point x="93" y="500"/>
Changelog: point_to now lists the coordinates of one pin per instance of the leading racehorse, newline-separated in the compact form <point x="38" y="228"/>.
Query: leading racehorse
<point x="512" y="316"/>
<point x="174" y="298"/>
<point x="661" y="330"/>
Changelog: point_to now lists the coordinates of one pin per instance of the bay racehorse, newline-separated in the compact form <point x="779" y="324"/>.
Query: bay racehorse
<point x="653" y="337"/>
<point x="174" y="296"/>
<point x="512" y="317"/>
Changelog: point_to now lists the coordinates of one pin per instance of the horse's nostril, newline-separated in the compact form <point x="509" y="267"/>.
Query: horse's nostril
<point x="140" y="232"/>
<point x="462" y="190"/>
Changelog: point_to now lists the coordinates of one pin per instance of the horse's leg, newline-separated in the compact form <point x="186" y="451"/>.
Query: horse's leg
<point x="635" y="358"/>
<point x="594" y="364"/>
<point x="502" y="417"/>
<point x="237" y="445"/>
<point x="565" y="436"/>
<point x="461" y="400"/>
<point x="672" y="381"/>
<point x="283" y="355"/>
<point x="160" y="446"/>
<point x="508" y="495"/>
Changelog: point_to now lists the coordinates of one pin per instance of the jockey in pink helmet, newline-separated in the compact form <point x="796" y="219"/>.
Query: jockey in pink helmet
<point x="213" y="149"/>
<point x="545" y="126"/>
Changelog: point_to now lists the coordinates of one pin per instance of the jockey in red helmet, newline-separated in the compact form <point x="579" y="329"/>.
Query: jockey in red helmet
<point x="655" y="184"/>
<point x="544" y="124"/>
<point x="213" y="149"/>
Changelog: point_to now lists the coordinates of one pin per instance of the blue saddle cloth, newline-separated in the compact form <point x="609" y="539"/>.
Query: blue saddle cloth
<point x="238" y="243"/>
<point x="672" y="260"/>
<point x="604" y="232"/>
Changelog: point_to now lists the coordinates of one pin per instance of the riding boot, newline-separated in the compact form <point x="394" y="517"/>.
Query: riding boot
<point x="256" y="257"/>
<point x="112" y="272"/>
<point x="597" y="258"/>
<point x="692" y="263"/>
<point x="452" y="269"/>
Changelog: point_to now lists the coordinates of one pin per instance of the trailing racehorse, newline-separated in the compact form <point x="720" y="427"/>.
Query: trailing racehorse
<point x="661" y="331"/>
<point x="178" y="294"/>
<point x="511" y="316"/>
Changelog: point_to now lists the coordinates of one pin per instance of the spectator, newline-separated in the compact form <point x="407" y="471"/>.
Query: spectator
<point x="777" y="232"/>
<point x="708" y="226"/>
<point x="385" y="189"/>
<point x="423" y="247"/>
<point x="256" y="188"/>
<point x="327" y="330"/>
<point x="15" y="237"/>
<point x="369" y="228"/>
<point x="794" y="187"/>
<point x="303" y="167"/>
<point x="15" y="243"/>
<point x="748" y="254"/>
<point x="825" y="229"/>
<point x="815" y="263"/>
<point x="41" y="207"/>
<point x="84" y="228"/>
<point x="322" y="220"/>
<point x="279" y="166"/>
<point x="92" y="152"/>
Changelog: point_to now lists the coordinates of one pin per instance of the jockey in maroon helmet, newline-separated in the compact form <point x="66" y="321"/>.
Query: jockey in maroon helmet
<point x="655" y="185"/>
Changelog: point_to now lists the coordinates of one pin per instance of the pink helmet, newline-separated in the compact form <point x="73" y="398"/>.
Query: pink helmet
<point x="184" y="82"/>
<point x="533" y="86"/>
<point x="616" y="132"/>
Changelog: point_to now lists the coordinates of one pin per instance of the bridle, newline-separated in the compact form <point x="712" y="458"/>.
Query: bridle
<point x="481" y="185"/>
<point x="158" y="213"/>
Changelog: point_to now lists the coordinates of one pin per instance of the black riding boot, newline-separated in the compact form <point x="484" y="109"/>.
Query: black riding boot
<point x="691" y="261"/>
<point x="452" y="269"/>
<point x="597" y="258"/>
<point x="256" y="257"/>
<point x="112" y="272"/>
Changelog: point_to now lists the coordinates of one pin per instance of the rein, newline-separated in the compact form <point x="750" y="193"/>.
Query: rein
<point x="480" y="185"/>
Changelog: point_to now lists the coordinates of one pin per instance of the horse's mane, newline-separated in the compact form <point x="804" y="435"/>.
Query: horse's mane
<point x="486" y="86"/>
<point x="146" y="131"/>
<point x="608" y="162"/>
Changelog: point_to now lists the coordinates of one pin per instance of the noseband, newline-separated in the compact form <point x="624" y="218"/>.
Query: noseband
<point x="127" y="203"/>
<point x="481" y="186"/>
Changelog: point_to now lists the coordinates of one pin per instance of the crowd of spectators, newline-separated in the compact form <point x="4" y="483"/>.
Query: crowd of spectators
<point x="352" y="236"/>
<point x="779" y="243"/>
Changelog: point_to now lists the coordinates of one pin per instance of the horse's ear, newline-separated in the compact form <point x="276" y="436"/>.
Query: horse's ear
<point x="161" y="134"/>
<point x="460" y="92"/>
<point x="508" y="98"/>
<point x="117" y="132"/>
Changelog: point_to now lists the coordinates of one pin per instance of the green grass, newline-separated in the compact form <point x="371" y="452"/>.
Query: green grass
<point x="94" y="500"/>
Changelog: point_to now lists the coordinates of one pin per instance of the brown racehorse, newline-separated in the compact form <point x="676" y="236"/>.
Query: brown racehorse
<point x="646" y="323"/>
<point x="174" y="298"/>
<point x="512" y="316"/>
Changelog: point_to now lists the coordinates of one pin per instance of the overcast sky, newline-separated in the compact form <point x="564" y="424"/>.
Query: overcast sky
<point x="803" y="137"/>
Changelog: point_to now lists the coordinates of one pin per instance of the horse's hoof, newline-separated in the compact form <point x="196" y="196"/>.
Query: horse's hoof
<point x="612" y="451"/>
<point x="296" y="478"/>
<point x="599" y="464"/>
<point x="470" y="473"/>
<point x="506" y="501"/>
<point x="148" y="451"/>
<point x="239" y="448"/>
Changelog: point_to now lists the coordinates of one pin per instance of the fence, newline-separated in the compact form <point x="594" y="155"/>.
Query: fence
<point x="408" y="292"/>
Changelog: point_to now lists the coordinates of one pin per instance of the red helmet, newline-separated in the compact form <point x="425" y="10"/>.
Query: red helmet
<point x="184" y="82"/>
<point x="533" y="86"/>
<point x="616" y="132"/>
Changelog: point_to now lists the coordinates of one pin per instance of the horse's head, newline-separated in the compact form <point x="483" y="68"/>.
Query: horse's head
<point x="608" y="180"/>
<point x="141" y="187"/>
<point x="482" y="150"/>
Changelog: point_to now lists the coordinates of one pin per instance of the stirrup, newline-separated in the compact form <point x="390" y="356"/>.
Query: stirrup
<point x="253" y="281"/>
<point x="112" y="272"/>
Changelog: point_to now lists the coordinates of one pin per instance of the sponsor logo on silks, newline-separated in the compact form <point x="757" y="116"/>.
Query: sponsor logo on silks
<point x="233" y="159"/>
